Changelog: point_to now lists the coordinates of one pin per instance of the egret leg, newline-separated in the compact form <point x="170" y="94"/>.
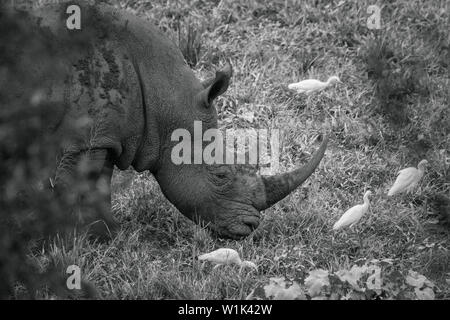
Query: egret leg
<point x="360" y="240"/>
<point x="308" y="101"/>
<point x="357" y="233"/>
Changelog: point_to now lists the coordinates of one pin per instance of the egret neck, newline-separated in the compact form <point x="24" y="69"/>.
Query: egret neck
<point x="421" y="166"/>
<point x="366" y="199"/>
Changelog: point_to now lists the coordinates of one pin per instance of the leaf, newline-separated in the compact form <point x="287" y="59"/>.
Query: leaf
<point x="352" y="276"/>
<point x="374" y="280"/>
<point x="257" y="294"/>
<point x="294" y="292"/>
<point x="274" y="285"/>
<point x="316" y="280"/>
<point x="277" y="290"/>
<point x="424" y="294"/>
<point x="417" y="280"/>
<point x="334" y="296"/>
<point x="352" y="295"/>
<point x="248" y="116"/>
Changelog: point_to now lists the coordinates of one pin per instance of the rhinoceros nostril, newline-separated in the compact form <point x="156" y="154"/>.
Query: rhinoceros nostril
<point x="252" y="226"/>
<point x="251" y="222"/>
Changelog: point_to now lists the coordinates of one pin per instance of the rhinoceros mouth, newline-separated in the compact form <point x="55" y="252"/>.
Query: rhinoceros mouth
<point x="247" y="225"/>
<point x="233" y="219"/>
<point x="238" y="230"/>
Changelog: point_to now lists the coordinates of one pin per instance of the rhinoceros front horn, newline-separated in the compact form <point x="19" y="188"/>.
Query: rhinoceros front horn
<point x="278" y="186"/>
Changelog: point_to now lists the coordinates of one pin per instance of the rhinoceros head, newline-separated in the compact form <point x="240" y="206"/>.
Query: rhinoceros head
<point x="227" y="198"/>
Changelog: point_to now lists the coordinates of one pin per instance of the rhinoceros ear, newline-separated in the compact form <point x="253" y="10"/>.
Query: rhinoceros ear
<point x="217" y="86"/>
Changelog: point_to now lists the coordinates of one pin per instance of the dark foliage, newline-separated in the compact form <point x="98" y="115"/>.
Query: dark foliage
<point x="30" y="209"/>
<point x="396" y="79"/>
<point x="441" y="204"/>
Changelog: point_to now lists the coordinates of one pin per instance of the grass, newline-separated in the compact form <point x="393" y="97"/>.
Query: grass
<point x="392" y="111"/>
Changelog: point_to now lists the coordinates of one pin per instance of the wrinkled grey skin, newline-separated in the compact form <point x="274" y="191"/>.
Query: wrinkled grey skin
<point x="127" y="88"/>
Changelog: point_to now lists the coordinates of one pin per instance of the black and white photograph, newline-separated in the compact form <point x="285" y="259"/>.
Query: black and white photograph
<point x="236" y="151"/>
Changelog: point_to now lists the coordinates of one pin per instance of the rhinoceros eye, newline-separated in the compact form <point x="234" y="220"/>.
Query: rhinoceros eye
<point x="220" y="174"/>
<point x="222" y="177"/>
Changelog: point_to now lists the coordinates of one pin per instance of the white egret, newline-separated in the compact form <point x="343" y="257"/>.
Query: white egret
<point x="354" y="214"/>
<point x="224" y="256"/>
<point x="408" y="179"/>
<point x="311" y="85"/>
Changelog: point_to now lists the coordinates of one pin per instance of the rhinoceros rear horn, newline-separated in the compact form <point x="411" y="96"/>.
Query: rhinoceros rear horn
<point x="277" y="187"/>
<point x="217" y="86"/>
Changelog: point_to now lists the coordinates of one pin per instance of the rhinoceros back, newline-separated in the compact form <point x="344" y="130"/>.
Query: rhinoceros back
<point x="116" y="70"/>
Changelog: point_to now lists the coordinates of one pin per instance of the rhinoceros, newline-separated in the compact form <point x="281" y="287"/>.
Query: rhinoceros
<point x="128" y="87"/>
